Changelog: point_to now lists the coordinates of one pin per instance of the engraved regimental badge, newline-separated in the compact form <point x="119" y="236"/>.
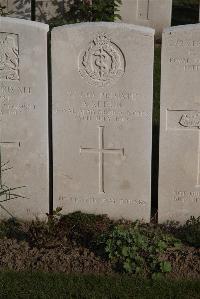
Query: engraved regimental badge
<point x="190" y="120"/>
<point x="9" y="56"/>
<point x="102" y="63"/>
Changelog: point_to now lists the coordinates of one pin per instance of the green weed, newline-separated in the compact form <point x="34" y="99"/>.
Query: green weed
<point x="138" y="249"/>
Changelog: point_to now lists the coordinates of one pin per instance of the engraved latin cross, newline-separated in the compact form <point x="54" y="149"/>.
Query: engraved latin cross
<point x="143" y="9"/>
<point x="101" y="151"/>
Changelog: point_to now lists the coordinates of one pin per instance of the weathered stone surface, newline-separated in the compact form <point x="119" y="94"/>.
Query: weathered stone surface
<point x="23" y="119"/>
<point x="179" y="183"/>
<point x="151" y="13"/>
<point x="102" y="118"/>
<point x="18" y="8"/>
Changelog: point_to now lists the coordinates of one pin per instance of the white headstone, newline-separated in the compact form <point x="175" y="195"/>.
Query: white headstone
<point x="17" y="8"/>
<point x="151" y="13"/>
<point x="23" y="119"/>
<point x="102" y="118"/>
<point x="179" y="183"/>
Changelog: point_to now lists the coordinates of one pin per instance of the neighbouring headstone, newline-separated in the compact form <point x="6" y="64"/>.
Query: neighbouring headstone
<point x="151" y="13"/>
<point x="102" y="75"/>
<point x="23" y="119"/>
<point x="179" y="183"/>
<point x="17" y="8"/>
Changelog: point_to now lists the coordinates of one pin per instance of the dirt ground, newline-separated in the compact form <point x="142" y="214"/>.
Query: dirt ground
<point x="68" y="249"/>
<point x="20" y="256"/>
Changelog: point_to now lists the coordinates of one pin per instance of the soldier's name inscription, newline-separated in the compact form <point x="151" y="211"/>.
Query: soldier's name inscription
<point x="102" y="106"/>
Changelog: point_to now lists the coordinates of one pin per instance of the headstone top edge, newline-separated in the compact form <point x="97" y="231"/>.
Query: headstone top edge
<point x="187" y="27"/>
<point x="111" y="25"/>
<point x="24" y="22"/>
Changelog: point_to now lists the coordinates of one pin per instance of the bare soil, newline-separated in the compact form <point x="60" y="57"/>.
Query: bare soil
<point x="19" y="256"/>
<point x="69" y="249"/>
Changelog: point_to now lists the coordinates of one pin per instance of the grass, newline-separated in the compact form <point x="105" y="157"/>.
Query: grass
<point x="43" y="285"/>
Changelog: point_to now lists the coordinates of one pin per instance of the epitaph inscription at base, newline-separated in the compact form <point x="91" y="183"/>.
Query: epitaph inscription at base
<point x="102" y="112"/>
